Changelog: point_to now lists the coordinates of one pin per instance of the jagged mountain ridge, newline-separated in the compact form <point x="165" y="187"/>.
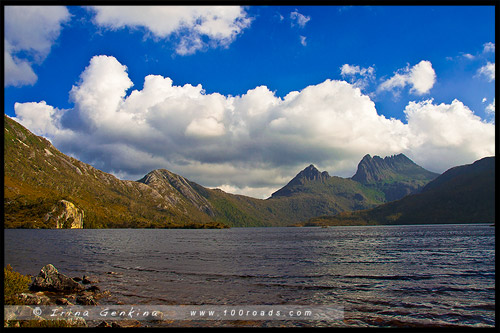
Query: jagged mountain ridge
<point x="382" y="180"/>
<point x="463" y="194"/>
<point x="396" y="176"/>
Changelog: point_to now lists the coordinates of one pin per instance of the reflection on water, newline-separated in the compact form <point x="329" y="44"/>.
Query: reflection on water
<point x="383" y="275"/>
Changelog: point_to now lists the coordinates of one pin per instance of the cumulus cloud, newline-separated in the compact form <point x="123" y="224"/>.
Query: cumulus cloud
<point x="489" y="47"/>
<point x="192" y="28"/>
<point x="420" y="77"/>
<point x="299" y="19"/>
<point x="250" y="144"/>
<point x="303" y="40"/>
<point x="357" y="75"/>
<point x="488" y="71"/>
<point x="30" y="32"/>
<point x="445" y="135"/>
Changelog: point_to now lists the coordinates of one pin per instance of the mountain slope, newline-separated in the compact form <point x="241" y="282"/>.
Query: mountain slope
<point x="463" y="194"/>
<point x="37" y="176"/>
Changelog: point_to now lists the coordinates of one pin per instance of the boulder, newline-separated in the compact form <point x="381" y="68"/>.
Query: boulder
<point x="32" y="299"/>
<point x="65" y="215"/>
<point x="51" y="280"/>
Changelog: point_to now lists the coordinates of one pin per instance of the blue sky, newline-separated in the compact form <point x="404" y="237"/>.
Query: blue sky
<point x="281" y="87"/>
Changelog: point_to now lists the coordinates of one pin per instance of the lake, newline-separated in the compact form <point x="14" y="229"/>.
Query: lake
<point x="433" y="275"/>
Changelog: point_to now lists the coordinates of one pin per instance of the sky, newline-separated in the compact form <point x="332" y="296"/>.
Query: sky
<point x="244" y="98"/>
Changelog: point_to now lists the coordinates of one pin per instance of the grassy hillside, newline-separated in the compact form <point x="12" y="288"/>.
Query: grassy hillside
<point x="37" y="175"/>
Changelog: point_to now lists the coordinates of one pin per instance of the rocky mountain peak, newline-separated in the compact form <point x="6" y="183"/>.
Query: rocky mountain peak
<point x="375" y="169"/>
<point x="309" y="174"/>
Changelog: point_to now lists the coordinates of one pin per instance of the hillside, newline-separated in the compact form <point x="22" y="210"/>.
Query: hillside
<point x="37" y="176"/>
<point x="463" y="194"/>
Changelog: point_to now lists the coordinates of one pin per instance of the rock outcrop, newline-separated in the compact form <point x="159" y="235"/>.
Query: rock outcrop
<point x="65" y="215"/>
<point x="49" y="279"/>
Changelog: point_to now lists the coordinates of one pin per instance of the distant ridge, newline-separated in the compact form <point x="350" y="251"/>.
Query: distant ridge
<point x="463" y="194"/>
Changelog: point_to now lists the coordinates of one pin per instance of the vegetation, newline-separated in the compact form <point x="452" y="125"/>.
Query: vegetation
<point x="14" y="283"/>
<point x="37" y="176"/>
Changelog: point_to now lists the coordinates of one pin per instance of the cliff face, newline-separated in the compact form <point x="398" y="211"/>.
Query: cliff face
<point x="65" y="215"/>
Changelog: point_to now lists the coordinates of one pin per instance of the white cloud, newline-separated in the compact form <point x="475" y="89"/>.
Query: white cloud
<point x="30" y="32"/>
<point x="359" y="76"/>
<point x="420" y="77"/>
<point x="446" y="135"/>
<point x="298" y="18"/>
<point x="187" y="25"/>
<point x="490" y="108"/>
<point x="38" y="117"/>
<point x="487" y="71"/>
<point x="489" y="47"/>
<point x="253" y="143"/>
<point x="303" y="40"/>
<point x="18" y="72"/>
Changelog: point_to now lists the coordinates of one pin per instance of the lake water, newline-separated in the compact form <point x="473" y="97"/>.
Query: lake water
<point x="380" y="275"/>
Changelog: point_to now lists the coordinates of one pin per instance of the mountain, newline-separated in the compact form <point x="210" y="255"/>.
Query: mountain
<point x="38" y="177"/>
<point x="44" y="188"/>
<point x="396" y="176"/>
<point x="463" y="194"/>
<point x="306" y="176"/>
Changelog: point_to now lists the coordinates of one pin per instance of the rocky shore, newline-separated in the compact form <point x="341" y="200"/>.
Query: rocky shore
<point x="52" y="288"/>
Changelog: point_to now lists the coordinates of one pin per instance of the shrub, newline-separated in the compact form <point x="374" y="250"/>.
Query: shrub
<point x="14" y="283"/>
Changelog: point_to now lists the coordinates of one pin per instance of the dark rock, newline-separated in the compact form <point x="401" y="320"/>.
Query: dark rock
<point x="32" y="299"/>
<point x="104" y="324"/>
<point x="93" y="289"/>
<point x="50" y="279"/>
<point x="77" y="279"/>
<point x="62" y="301"/>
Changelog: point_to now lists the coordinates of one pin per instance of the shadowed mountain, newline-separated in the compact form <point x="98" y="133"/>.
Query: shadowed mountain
<point x="463" y="194"/>
<point x="396" y="176"/>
